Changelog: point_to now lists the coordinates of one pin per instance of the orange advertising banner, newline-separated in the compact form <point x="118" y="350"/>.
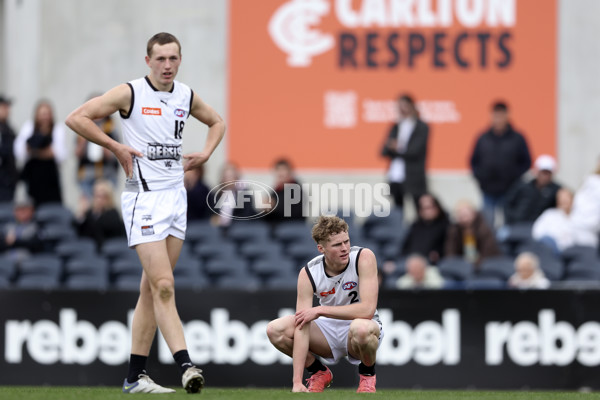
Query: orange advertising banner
<point x="316" y="80"/>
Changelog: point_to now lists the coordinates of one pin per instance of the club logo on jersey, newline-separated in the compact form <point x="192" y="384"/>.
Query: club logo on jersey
<point x="349" y="285"/>
<point x="180" y="113"/>
<point x="325" y="294"/>
<point x="159" y="151"/>
<point x="151" y="111"/>
<point x="147" y="230"/>
<point x="146" y="217"/>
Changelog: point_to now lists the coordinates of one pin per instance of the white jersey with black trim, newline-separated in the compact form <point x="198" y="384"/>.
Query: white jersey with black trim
<point x="339" y="290"/>
<point x="154" y="126"/>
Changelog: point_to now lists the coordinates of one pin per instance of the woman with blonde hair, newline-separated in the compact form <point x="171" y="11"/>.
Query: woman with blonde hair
<point x="99" y="220"/>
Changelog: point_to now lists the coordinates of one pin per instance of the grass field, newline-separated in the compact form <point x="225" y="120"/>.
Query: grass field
<point x="109" y="393"/>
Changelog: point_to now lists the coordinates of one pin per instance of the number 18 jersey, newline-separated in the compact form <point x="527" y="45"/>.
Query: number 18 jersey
<point x="154" y="126"/>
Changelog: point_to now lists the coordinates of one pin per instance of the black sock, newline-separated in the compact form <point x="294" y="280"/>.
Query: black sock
<point x="137" y="366"/>
<point x="316" y="367"/>
<point x="183" y="361"/>
<point x="364" y="370"/>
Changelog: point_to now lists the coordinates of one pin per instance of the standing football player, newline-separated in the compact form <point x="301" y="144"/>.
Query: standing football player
<point x="154" y="110"/>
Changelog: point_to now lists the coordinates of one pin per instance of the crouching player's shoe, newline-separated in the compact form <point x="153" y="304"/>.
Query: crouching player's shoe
<point x="319" y="380"/>
<point x="192" y="380"/>
<point x="366" y="384"/>
<point x="144" y="385"/>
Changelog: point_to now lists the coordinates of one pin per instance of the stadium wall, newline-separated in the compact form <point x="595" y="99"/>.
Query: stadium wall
<point x="433" y="339"/>
<point x="69" y="49"/>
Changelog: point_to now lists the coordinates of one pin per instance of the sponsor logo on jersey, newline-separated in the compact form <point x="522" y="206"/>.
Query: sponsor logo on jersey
<point x="180" y="113"/>
<point x="349" y="285"/>
<point x="160" y="151"/>
<point x="325" y="294"/>
<point x="146" y="217"/>
<point x="147" y="230"/>
<point x="151" y="111"/>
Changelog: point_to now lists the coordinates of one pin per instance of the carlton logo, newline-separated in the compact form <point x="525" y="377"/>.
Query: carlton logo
<point x="349" y="285"/>
<point x="151" y="111"/>
<point x="291" y="30"/>
<point x="180" y="113"/>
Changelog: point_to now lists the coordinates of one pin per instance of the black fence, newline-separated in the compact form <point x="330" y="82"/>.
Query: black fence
<point x="433" y="339"/>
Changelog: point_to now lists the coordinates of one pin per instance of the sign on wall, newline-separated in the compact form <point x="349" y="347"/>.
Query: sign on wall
<point x="316" y="80"/>
<point x="432" y="339"/>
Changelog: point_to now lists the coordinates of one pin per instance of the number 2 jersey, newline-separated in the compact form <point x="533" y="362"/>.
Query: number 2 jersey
<point x="339" y="290"/>
<point x="154" y="126"/>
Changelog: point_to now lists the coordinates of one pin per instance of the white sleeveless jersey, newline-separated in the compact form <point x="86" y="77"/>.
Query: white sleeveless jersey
<point x="339" y="290"/>
<point x="154" y="126"/>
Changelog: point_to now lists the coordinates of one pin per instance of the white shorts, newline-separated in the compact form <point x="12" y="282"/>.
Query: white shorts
<point x="152" y="216"/>
<point x="336" y="334"/>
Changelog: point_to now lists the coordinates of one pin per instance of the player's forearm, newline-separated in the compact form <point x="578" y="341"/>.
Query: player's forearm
<point x="87" y="129"/>
<point x="299" y="353"/>
<point x="351" y="311"/>
<point x="214" y="137"/>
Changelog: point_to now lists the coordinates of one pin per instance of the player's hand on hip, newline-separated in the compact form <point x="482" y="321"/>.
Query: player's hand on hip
<point x="194" y="160"/>
<point x="125" y="156"/>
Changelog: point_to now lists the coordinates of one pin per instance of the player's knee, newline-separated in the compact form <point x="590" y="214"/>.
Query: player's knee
<point x="276" y="330"/>
<point x="164" y="289"/>
<point x="361" y="332"/>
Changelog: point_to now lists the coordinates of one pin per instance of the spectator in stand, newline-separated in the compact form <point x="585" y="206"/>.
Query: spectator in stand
<point x="554" y="227"/>
<point x="101" y="220"/>
<point x="41" y="146"/>
<point x="22" y="237"/>
<point x="528" y="274"/>
<point x="470" y="236"/>
<point x="406" y="147"/>
<point x="419" y="275"/>
<point x="427" y="234"/>
<point x="197" y="195"/>
<point x="226" y="201"/>
<point x="8" y="169"/>
<point x="499" y="159"/>
<point x="585" y="214"/>
<point x="288" y="189"/>
<point x="96" y="162"/>
<point x="526" y="201"/>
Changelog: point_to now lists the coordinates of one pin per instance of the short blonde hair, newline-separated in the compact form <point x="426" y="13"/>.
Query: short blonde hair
<point x="107" y="187"/>
<point x="326" y="226"/>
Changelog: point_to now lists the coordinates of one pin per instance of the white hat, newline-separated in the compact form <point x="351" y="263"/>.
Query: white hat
<point x="545" y="163"/>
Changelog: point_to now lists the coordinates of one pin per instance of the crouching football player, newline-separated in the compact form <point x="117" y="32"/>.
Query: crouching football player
<point x="345" y="324"/>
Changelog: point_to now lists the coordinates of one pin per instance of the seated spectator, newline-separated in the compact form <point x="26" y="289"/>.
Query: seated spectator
<point x="554" y="227"/>
<point x="528" y="274"/>
<point x="96" y="162"/>
<point x="226" y="201"/>
<point x="526" y="200"/>
<point x="585" y="214"/>
<point x="197" y="193"/>
<point x="101" y="220"/>
<point x="284" y="177"/>
<point x="8" y="169"/>
<point x="22" y="237"/>
<point x="41" y="146"/>
<point x="427" y="234"/>
<point x="470" y="236"/>
<point x="419" y="275"/>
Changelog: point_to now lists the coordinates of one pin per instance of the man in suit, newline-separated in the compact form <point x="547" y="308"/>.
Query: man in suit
<point x="406" y="147"/>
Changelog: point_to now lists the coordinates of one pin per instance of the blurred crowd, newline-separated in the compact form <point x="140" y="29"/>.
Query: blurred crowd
<point x="527" y="224"/>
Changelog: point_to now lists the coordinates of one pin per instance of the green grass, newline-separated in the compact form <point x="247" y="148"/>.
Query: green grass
<point x="108" y="393"/>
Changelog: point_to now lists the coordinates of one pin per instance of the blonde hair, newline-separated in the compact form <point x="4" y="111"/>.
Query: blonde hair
<point x="107" y="187"/>
<point x="326" y="226"/>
